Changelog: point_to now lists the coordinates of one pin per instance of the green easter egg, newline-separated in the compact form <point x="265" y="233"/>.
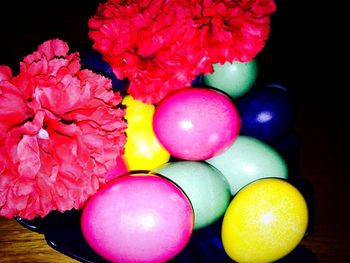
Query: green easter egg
<point x="249" y="159"/>
<point x="205" y="186"/>
<point x="235" y="79"/>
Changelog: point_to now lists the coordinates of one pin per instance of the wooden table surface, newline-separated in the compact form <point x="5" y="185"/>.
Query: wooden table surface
<point x="322" y="121"/>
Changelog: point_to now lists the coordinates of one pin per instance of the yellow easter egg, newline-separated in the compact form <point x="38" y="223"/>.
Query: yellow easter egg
<point x="142" y="149"/>
<point x="137" y="112"/>
<point x="264" y="222"/>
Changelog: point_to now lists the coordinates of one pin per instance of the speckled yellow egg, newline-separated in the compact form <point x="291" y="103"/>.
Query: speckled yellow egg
<point x="265" y="221"/>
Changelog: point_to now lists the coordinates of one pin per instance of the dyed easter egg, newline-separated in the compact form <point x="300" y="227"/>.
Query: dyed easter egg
<point x="138" y="218"/>
<point x="267" y="113"/>
<point x="119" y="169"/>
<point x="247" y="160"/>
<point x="142" y="149"/>
<point x="196" y="123"/>
<point x="136" y="111"/>
<point x="205" y="186"/>
<point x="235" y="78"/>
<point x="265" y="221"/>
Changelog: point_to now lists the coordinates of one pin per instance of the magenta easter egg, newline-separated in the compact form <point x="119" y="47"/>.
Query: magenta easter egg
<point x="120" y="168"/>
<point x="196" y="123"/>
<point x="138" y="218"/>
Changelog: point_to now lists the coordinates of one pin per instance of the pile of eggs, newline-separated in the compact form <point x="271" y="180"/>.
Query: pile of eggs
<point x="202" y="154"/>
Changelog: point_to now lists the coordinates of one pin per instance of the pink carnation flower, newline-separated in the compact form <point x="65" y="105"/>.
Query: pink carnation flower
<point x="60" y="132"/>
<point x="160" y="46"/>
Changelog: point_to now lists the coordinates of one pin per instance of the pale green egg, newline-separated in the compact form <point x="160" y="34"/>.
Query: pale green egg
<point x="235" y="78"/>
<point x="249" y="159"/>
<point x="205" y="186"/>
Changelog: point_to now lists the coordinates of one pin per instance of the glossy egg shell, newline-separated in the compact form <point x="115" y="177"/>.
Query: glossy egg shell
<point x="143" y="151"/>
<point x="205" y="186"/>
<point x="249" y="159"/>
<point x="138" y="218"/>
<point x="196" y="123"/>
<point x="267" y="113"/>
<point x="235" y="79"/>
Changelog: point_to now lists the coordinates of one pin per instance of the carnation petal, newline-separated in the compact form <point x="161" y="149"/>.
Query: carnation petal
<point x="5" y="73"/>
<point x="54" y="48"/>
<point x="29" y="157"/>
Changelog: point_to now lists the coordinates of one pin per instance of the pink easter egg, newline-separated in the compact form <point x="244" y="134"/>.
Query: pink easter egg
<point x="196" y="123"/>
<point x="138" y="218"/>
<point x="121" y="168"/>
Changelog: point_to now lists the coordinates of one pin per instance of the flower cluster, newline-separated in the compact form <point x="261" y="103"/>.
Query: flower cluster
<point x="60" y="132"/>
<point x="160" y="46"/>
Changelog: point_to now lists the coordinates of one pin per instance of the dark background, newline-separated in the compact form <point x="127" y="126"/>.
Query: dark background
<point x="305" y="52"/>
<point x="304" y="49"/>
<point x="290" y="54"/>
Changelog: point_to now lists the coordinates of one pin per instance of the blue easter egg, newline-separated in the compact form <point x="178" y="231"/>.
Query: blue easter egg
<point x="267" y="113"/>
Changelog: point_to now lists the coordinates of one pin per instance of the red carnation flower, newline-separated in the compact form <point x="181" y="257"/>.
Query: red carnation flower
<point x="160" y="46"/>
<point x="154" y="44"/>
<point x="234" y="30"/>
<point x="60" y="132"/>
